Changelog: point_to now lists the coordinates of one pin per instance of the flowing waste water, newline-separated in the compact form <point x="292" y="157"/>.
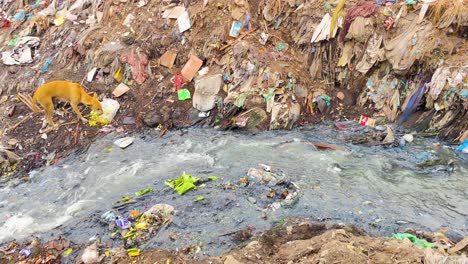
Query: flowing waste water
<point x="376" y="188"/>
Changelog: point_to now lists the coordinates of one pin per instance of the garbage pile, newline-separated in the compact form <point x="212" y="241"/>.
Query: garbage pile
<point x="243" y="64"/>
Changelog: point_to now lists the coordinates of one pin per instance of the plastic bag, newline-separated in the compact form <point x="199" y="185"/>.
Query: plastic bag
<point x="109" y="110"/>
<point x="420" y="243"/>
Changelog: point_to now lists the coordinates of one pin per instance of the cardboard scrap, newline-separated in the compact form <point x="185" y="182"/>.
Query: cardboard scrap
<point x="459" y="246"/>
<point x="120" y="90"/>
<point x="167" y="59"/>
<point x="191" y="68"/>
<point x="176" y="12"/>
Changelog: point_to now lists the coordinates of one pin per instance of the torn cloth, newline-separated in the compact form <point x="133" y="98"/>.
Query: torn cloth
<point x="138" y="62"/>
<point x="364" y="10"/>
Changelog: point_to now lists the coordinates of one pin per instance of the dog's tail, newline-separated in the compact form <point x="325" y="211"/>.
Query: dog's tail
<point x="34" y="105"/>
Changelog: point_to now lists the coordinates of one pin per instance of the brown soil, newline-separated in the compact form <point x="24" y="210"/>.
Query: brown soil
<point x="305" y="243"/>
<point x="290" y="242"/>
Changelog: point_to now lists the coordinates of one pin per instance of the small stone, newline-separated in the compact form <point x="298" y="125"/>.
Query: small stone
<point x="124" y="142"/>
<point x="231" y="260"/>
<point x="408" y="138"/>
<point x="129" y="120"/>
<point x="152" y="119"/>
<point x="380" y="128"/>
<point x="12" y="142"/>
<point x="340" y="96"/>
<point x="252" y="200"/>
<point x="44" y="136"/>
<point x="264" y="216"/>
<point x="90" y="255"/>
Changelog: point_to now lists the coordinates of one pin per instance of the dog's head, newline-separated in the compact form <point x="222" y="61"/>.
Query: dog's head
<point x="95" y="104"/>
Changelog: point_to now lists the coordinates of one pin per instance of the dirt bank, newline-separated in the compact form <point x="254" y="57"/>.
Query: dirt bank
<point x="285" y="243"/>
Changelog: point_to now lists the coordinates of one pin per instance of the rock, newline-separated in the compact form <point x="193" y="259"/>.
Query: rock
<point x="251" y="119"/>
<point x="91" y="255"/>
<point x="380" y="128"/>
<point x="128" y="38"/>
<point x="291" y="250"/>
<point x="166" y="112"/>
<point x="157" y="209"/>
<point x="194" y="116"/>
<point x="153" y="119"/>
<point x="262" y="175"/>
<point x="252" y="200"/>
<point x="206" y="90"/>
<point x="340" y="96"/>
<point x="231" y="260"/>
<point x="408" y="138"/>
<point x="13" y="142"/>
<point x="124" y="142"/>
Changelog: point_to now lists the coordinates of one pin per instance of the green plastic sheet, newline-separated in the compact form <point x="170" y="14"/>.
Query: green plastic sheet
<point x="183" y="94"/>
<point x="420" y="243"/>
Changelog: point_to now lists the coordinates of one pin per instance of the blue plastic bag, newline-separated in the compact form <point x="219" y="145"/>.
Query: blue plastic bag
<point x="464" y="147"/>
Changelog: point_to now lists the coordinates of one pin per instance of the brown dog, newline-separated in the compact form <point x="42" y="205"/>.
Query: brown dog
<point x="67" y="91"/>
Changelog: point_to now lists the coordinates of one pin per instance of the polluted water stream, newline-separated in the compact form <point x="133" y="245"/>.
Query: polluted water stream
<point x="379" y="189"/>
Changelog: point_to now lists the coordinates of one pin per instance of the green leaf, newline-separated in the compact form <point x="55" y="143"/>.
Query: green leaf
<point x="67" y="252"/>
<point x="183" y="184"/>
<point x="212" y="178"/>
<point x="144" y="191"/>
<point x="200" y="198"/>
<point x="125" y="199"/>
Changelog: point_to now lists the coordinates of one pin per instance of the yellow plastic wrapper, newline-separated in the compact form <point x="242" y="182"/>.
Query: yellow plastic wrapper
<point x="141" y="226"/>
<point x="118" y="75"/>
<point x="133" y="252"/>
<point x="58" y="21"/>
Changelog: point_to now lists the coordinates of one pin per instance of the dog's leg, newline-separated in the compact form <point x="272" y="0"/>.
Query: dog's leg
<point x="77" y="111"/>
<point x="49" y="107"/>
